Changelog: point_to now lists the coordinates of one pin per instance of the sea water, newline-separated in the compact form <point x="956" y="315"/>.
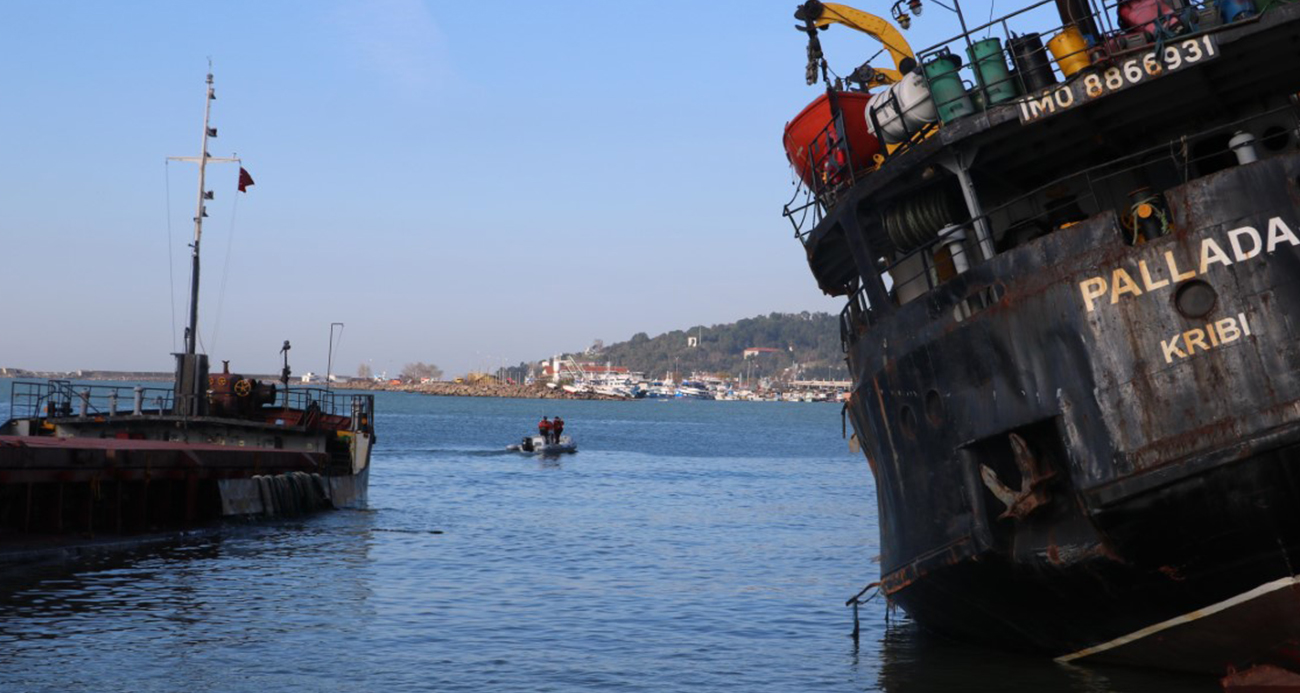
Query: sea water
<point x="687" y="546"/>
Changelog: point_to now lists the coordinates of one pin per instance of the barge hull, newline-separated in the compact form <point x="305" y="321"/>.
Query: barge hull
<point x="60" y="490"/>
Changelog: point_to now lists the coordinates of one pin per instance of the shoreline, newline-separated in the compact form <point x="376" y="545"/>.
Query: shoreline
<point x="488" y="388"/>
<point x="442" y="388"/>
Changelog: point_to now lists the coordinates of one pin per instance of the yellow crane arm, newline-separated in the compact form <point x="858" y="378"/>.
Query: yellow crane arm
<point x="826" y="13"/>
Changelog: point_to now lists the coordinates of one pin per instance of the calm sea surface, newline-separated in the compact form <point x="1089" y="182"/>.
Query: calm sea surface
<point x="689" y="546"/>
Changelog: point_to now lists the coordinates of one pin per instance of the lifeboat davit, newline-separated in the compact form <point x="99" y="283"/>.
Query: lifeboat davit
<point x="809" y="139"/>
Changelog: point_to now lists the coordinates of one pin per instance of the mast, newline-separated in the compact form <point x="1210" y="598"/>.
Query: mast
<point x="191" y="331"/>
<point x="191" y="367"/>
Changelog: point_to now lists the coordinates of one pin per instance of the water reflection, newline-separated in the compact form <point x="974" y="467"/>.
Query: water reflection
<point x="183" y="612"/>
<point x="549" y="462"/>
<point x="913" y="660"/>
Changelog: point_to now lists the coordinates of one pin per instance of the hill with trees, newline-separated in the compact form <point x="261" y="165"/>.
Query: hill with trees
<point x="790" y="345"/>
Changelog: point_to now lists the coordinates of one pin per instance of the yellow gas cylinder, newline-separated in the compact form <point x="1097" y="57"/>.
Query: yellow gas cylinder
<point x="1070" y="51"/>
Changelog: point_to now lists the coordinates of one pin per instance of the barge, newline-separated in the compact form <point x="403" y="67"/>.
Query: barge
<point x="91" y="463"/>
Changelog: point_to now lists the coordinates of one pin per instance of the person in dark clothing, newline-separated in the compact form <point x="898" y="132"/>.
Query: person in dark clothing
<point x="557" y="427"/>
<point x="544" y="429"/>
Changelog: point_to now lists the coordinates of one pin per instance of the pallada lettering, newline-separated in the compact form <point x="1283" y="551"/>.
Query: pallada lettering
<point x="1212" y="253"/>
<point x="1234" y="238"/>
<point x="1147" y="283"/>
<point x="1123" y="285"/>
<point x="1173" y="268"/>
<point x="1242" y="244"/>
<point x="1279" y="231"/>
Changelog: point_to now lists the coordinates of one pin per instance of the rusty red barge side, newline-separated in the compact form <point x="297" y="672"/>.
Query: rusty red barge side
<point x="92" y="461"/>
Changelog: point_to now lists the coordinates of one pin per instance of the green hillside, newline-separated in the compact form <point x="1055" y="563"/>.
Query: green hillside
<point x="808" y="347"/>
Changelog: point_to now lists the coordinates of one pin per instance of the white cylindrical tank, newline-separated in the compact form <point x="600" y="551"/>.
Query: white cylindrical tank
<point x="1243" y="145"/>
<point x="954" y="237"/>
<point x="912" y="97"/>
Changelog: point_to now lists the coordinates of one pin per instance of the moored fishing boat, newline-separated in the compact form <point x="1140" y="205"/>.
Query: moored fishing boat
<point x="82" y="461"/>
<point x="1072" y="295"/>
<point x="693" y="389"/>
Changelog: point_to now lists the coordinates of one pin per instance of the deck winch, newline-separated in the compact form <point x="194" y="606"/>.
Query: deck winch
<point x="231" y="394"/>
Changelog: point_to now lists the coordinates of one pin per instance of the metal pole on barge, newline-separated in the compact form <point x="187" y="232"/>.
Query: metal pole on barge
<point x="970" y="50"/>
<point x="191" y="368"/>
<point x="329" y="363"/>
<point x="191" y="331"/>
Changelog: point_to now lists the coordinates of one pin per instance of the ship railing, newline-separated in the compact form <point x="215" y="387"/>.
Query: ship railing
<point x="1020" y="56"/>
<point x="64" y="398"/>
<point x="830" y="171"/>
<point x="803" y="212"/>
<point x="855" y="319"/>
<point x="1063" y="202"/>
<point x="972" y="92"/>
<point x="330" y="402"/>
<point x="1030" y="51"/>
<point x="919" y="270"/>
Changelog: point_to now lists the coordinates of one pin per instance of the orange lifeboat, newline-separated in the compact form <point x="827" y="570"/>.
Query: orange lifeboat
<point x="809" y="140"/>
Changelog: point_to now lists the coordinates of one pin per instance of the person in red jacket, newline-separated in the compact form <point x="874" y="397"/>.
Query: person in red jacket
<point x="557" y="427"/>
<point x="544" y="429"/>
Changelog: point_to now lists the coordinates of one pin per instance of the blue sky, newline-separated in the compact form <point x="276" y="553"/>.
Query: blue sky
<point x="469" y="185"/>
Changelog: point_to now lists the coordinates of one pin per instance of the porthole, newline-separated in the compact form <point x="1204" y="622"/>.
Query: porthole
<point x="997" y="291"/>
<point x="1195" y="299"/>
<point x="1276" y="138"/>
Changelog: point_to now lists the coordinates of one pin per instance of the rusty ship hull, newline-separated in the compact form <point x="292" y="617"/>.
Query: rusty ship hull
<point x="1086" y="438"/>
<point x="1165" y="486"/>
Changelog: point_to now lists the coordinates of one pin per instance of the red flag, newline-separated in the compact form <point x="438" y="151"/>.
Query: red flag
<point x="245" y="180"/>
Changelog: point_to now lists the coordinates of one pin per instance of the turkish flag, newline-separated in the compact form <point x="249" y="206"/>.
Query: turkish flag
<point x="245" y="180"/>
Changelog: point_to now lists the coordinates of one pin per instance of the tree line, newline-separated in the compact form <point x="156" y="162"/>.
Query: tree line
<point x="795" y="345"/>
<point x="807" y="346"/>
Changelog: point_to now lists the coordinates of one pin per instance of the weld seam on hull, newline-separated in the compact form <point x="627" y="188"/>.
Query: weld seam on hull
<point x="1188" y="617"/>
